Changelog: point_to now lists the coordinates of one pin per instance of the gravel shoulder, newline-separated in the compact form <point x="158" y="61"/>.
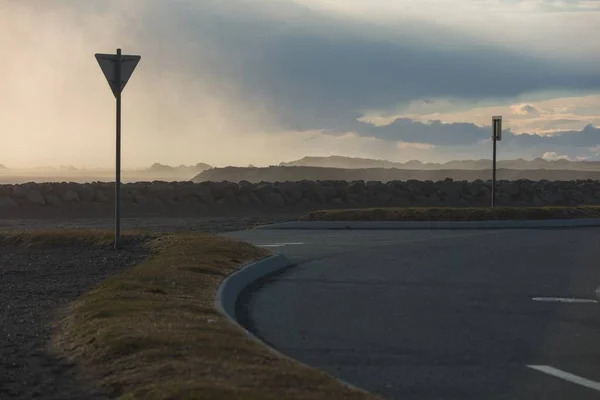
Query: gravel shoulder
<point x="36" y="284"/>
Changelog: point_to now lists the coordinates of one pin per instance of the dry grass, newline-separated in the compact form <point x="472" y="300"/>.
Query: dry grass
<point x="453" y="214"/>
<point x="152" y="331"/>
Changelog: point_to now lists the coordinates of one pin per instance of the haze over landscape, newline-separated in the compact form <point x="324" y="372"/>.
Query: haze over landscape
<point x="315" y="174"/>
<point x="242" y="82"/>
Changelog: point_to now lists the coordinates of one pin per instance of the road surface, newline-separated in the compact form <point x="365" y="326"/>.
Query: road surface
<point x="437" y="314"/>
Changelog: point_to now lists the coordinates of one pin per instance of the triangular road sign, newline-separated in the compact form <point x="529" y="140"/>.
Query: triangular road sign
<point x="108" y="64"/>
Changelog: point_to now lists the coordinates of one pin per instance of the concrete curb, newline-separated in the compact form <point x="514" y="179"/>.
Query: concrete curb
<point x="447" y="225"/>
<point x="232" y="286"/>
<point x="230" y="289"/>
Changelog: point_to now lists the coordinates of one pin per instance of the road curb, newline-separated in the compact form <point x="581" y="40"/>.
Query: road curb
<point x="232" y="286"/>
<point x="446" y="225"/>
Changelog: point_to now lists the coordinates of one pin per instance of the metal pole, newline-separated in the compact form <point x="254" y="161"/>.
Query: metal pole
<point x="494" y="173"/>
<point x="118" y="155"/>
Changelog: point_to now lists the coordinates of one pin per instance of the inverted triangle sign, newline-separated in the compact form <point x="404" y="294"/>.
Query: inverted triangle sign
<point x="109" y="64"/>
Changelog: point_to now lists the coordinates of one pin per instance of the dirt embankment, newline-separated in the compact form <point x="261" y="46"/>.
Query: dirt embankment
<point x="245" y="198"/>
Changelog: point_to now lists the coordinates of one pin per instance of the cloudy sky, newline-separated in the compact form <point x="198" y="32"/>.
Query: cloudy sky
<point x="237" y="82"/>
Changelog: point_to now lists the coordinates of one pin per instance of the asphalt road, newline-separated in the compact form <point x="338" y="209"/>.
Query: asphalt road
<point x="437" y="314"/>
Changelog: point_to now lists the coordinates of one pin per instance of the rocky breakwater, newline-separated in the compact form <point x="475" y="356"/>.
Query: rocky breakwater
<point x="303" y="194"/>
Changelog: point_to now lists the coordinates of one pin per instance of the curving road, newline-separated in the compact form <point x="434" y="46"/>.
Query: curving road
<point x="437" y="314"/>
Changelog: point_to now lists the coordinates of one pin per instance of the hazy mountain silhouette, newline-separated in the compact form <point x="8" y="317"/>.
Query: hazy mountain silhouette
<point x="68" y="173"/>
<point x="518" y="164"/>
<point x="189" y="170"/>
<point x="296" y="174"/>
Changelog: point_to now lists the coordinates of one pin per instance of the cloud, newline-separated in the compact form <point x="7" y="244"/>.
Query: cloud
<point x="524" y="109"/>
<point x="432" y="132"/>
<point x="544" y="117"/>
<point x="313" y="70"/>
<point x="225" y="81"/>
<point x="313" y="83"/>
<point x="544" y="27"/>
<point x="465" y="134"/>
<point x="587" y="137"/>
<point x="553" y="156"/>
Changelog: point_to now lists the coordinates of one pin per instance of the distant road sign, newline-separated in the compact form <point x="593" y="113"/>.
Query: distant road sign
<point x="109" y="64"/>
<point x="497" y="124"/>
<point x="496" y="136"/>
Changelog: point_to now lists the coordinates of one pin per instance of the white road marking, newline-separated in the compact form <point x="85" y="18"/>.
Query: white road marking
<point x="564" y="300"/>
<point x="566" y="376"/>
<point x="279" y="244"/>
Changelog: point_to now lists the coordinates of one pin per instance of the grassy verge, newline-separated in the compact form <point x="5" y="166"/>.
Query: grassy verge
<point x="453" y="214"/>
<point x="152" y="331"/>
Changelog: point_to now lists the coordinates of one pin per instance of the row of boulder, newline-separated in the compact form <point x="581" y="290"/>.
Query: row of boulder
<point x="308" y="194"/>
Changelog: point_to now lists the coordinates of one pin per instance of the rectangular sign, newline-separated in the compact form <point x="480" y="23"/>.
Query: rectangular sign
<point x="497" y="128"/>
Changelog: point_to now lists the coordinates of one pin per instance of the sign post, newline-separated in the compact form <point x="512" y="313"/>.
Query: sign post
<point x="496" y="136"/>
<point x="117" y="69"/>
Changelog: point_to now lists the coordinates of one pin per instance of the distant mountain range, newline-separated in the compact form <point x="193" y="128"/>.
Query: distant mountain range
<point x="68" y="173"/>
<point x="518" y="164"/>
<point x="317" y="168"/>
<point x="155" y="168"/>
<point x="188" y="170"/>
<point x="296" y="174"/>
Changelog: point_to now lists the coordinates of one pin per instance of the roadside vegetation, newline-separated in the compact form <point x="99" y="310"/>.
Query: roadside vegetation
<point x="453" y="214"/>
<point x="152" y="331"/>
